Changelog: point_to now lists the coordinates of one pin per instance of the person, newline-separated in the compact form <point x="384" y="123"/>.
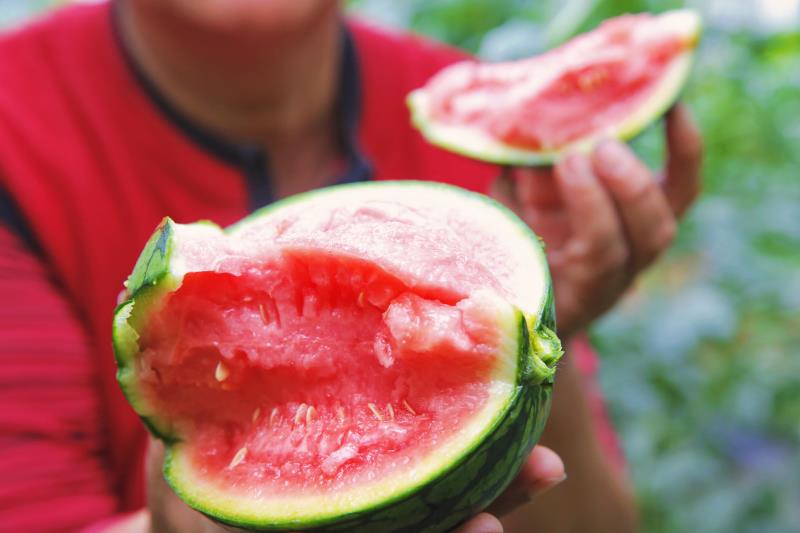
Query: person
<point x="113" y="115"/>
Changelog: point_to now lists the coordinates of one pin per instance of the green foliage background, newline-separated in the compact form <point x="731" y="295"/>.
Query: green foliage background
<point x="700" y="361"/>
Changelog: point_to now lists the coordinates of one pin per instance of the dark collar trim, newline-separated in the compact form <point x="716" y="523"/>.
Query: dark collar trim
<point x="359" y="167"/>
<point x="12" y="219"/>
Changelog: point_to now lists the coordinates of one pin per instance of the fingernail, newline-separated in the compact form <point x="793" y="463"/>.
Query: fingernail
<point x="545" y="485"/>
<point x="611" y="156"/>
<point x="485" y="523"/>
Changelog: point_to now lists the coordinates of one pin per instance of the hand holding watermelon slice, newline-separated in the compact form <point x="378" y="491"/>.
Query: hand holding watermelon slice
<point x="603" y="215"/>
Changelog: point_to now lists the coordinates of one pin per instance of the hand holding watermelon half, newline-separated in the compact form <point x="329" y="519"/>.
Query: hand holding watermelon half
<point x="370" y="357"/>
<point x="611" y="82"/>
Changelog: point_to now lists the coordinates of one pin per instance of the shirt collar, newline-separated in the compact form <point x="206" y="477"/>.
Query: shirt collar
<point x="251" y="158"/>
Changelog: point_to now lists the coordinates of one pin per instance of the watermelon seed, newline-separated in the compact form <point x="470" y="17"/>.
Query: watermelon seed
<point x="408" y="408"/>
<point x="310" y="414"/>
<point x="391" y="411"/>
<point x="263" y="314"/>
<point x="591" y="79"/>
<point x="361" y="299"/>
<point x="273" y="416"/>
<point x="239" y="457"/>
<point x="340" y="413"/>
<point x="221" y="373"/>
<point x="301" y="411"/>
<point x="256" y="413"/>
<point x="375" y="411"/>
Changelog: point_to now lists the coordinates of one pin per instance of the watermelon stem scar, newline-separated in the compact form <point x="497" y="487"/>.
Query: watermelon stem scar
<point x="349" y="359"/>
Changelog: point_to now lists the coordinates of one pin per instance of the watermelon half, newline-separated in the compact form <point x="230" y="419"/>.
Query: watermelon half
<point x="369" y="357"/>
<point x="610" y="82"/>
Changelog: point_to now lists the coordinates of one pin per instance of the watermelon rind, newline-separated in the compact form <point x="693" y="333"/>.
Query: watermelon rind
<point x="475" y="143"/>
<point x="458" y="480"/>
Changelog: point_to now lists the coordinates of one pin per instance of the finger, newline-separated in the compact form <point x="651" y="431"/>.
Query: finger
<point x="482" y="523"/>
<point x="160" y="499"/>
<point x="531" y="186"/>
<point x="503" y="188"/>
<point x="154" y="463"/>
<point x="598" y="247"/>
<point x="646" y="215"/>
<point x="138" y="522"/>
<point x="533" y="196"/>
<point x="539" y="204"/>
<point x="536" y="187"/>
<point x="684" y="159"/>
<point x="543" y="470"/>
<point x="122" y="296"/>
<point x="167" y="511"/>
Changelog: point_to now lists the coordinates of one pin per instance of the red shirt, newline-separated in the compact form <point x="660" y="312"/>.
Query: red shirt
<point x="92" y="160"/>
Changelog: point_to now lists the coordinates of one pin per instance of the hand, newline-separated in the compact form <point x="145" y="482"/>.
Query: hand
<point x="167" y="512"/>
<point x="605" y="217"/>
<point x="543" y="470"/>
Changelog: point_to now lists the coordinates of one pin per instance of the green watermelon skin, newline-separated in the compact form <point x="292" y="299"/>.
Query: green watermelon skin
<point x="463" y="490"/>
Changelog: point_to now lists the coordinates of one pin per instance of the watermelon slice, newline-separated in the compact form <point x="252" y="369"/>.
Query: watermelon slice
<point x="370" y="357"/>
<point x="611" y="82"/>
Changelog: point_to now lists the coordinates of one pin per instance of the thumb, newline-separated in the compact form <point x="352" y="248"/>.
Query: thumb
<point x="543" y="470"/>
<point x="503" y="188"/>
<point x="482" y="523"/>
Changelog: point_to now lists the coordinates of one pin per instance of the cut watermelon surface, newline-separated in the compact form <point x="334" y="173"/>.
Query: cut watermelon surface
<point x="368" y="357"/>
<point x="610" y="82"/>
